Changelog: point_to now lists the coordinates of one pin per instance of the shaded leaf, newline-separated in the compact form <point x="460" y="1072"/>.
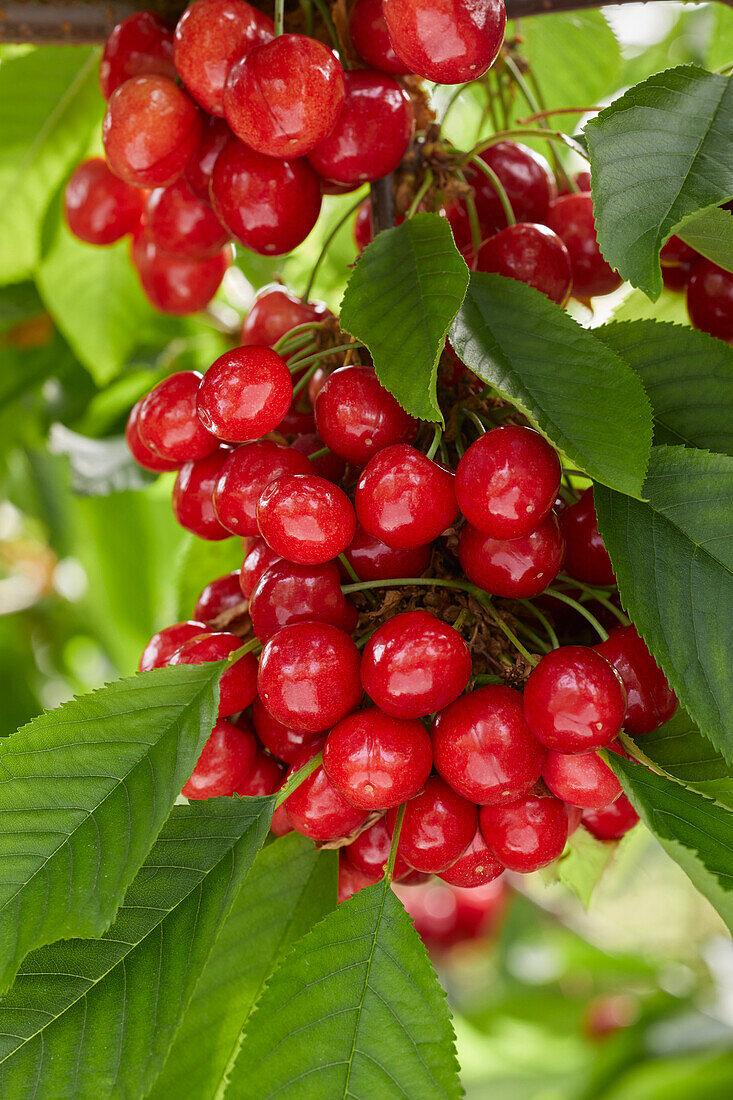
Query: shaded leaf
<point x="680" y="749"/>
<point x="711" y="234"/>
<point x="582" y="864"/>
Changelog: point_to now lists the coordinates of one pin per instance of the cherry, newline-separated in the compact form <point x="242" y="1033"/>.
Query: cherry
<point x="299" y="418"/>
<point x="280" y="824"/>
<point x="193" y="491"/>
<point x="269" y="205"/>
<point x="286" y="593"/>
<point x="611" y="822"/>
<point x="574" y="700"/>
<point x="163" y="645"/>
<point x="377" y="761"/>
<point x="167" y="423"/>
<point x="265" y="777"/>
<point x="531" y="254"/>
<point x="582" y="779"/>
<point x="571" y="217"/>
<point x="99" y="207"/>
<point x="224" y="764"/>
<point x="309" y="676"/>
<point x="350" y="881"/>
<point x="437" y="827"/>
<point x="179" y="223"/>
<point x="363" y="228"/>
<point x="142" y="454"/>
<point x="514" y="568"/>
<point x="369" y="34"/>
<point x="140" y="45"/>
<point x="372" y="560"/>
<point x="174" y="284"/>
<point x="483" y="746"/>
<point x="282" y="742"/>
<point x="220" y="596"/>
<point x="238" y="685"/>
<point x="507" y="481"/>
<point x="211" y="35"/>
<point x="258" y="557"/>
<point x="415" y="664"/>
<point x="284" y="97"/>
<point x="575" y="817"/>
<point x="369" y="853"/>
<point x="404" y="498"/>
<point x="448" y="41"/>
<point x="446" y="916"/>
<point x="197" y="173"/>
<point x="275" y="312"/>
<point x="527" y="834"/>
<point x="244" y="394"/>
<point x="586" y="558"/>
<point x="244" y="476"/>
<point x="476" y="867"/>
<point x="305" y="518"/>
<point x="328" y="466"/>
<point x="371" y="134"/>
<point x="678" y="262"/>
<point x="315" y="808"/>
<point x="650" y="700"/>
<point x="150" y="131"/>
<point x="710" y="300"/>
<point x="356" y="416"/>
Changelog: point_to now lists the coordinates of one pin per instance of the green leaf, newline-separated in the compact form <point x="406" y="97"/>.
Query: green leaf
<point x="354" y="1010"/>
<point x="688" y="376"/>
<point x="679" y="749"/>
<point x="577" y="392"/>
<point x="19" y="303"/>
<point x="711" y="234"/>
<point x="669" y="306"/>
<point x="660" y="154"/>
<point x="98" y="466"/>
<point x="673" y="557"/>
<point x="290" y="887"/>
<point x="400" y="300"/>
<point x="84" y="791"/>
<point x="96" y="1018"/>
<point x="696" y="833"/>
<point x="200" y="562"/>
<point x="582" y="864"/>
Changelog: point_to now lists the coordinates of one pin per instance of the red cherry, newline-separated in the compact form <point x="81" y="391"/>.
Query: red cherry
<point x="305" y="518"/>
<point x="404" y="498"/>
<point x="140" y="45"/>
<point x="437" y="827"/>
<point x="179" y="223"/>
<point x="350" y="881"/>
<point x="369" y="34"/>
<point x="531" y="254"/>
<point x="372" y="560"/>
<point x="258" y="558"/>
<point x="167" y="423"/>
<point x="269" y="205"/>
<point x="612" y="822"/>
<point x="363" y="228"/>
<point x="484" y="749"/>
<point x="328" y="466"/>
<point x="377" y="761"/>
<point x="575" y="817"/>
<point x="369" y="853"/>
<point x="710" y="300"/>
<point x="309" y="676"/>
<point x="142" y="454"/>
<point x="244" y="476"/>
<point x="476" y="867"/>
<point x="211" y="35"/>
<point x="280" y="825"/>
<point x="193" y="493"/>
<point x="676" y="252"/>
<point x="574" y="700"/>
<point x="150" y="131"/>
<point x="265" y="777"/>
<point x="514" y="568"/>
<point x="245" y="394"/>
<point x="197" y="173"/>
<point x="571" y="217"/>
<point x="586" y="558"/>
<point x="299" y="417"/>
<point x="219" y="596"/>
<point x="238" y="685"/>
<point x="281" y="741"/>
<point x="275" y="312"/>
<point x="356" y="416"/>
<point x="527" y="834"/>
<point x="287" y="593"/>
<point x="99" y="207"/>
<point x="176" y="285"/>
<point x="316" y="809"/>
<point x="225" y="763"/>
<point x="507" y="481"/>
<point x="581" y="779"/>
<point x="163" y="645"/>
<point x="676" y="277"/>
<point x="450" y="42"/>
<point x="371" y="134"/>
<point x="650" y="700"/>
<point x="415" y="664"/>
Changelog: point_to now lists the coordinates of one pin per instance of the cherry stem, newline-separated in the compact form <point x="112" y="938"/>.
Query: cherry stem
<point x="600" y="631"/>
<point x="279" y="17"/>
<point x="307" y="9"/>
<point x="327" y="244"/>
<point x="297" y="778"/>
<point x="349" y="568"/>
<point x="492" y="612"/>
<point x="287" y="339"/>
<point x="472" y="217"/>
<point x="252" y="646"/>
<point x="475" y="420"/>
<point x="389" y="870"/>
<point x="516" y="74"/>
<point x="596" y="594"/>
<point x="306" y="377"/>
<point x="550" y="111"/>
<point x="548" y="135"/>
<point x="420" y="194"/>
<point x="543" y="620"/>
<point x="333" y="33"/>
<point x="320" y="454"/>
<point x="437" y="437"/>
<point x="498" y="187"/>
<point x="317" y="357"/>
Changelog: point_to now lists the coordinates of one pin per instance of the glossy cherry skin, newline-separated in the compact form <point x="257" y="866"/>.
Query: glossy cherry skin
<point x="238" y="685"/>
<point x="244" y="394"/>
<point x="371" y="134"/>
<point x="571" y="217"/>
<point x="527" y="834"/>
<point x="174" y="284"/>
<point x="214" y="135"/>
<point x="404" y="498"/>
<point x="268" y="204"/>
<point x="437" y="827"/>
<point x="275" y="312"/>
<point x="369" y="852"/>
<point x="220" y="596"/>
<point x="179" y="223"/>
<point x="283" y="98"/>
<point x="356" y="416"/>
<point x="369" y="34"/>
<point x="280" y="825"/>
<point x="225" y="762"/>
<point x="447" y="41"/>
<point x="150" y="131"/>
<point x="287" y="593"/>
<point x="329" y="465"/>
<point x="582" y="779"/>
<point x="316" y="809"/>
<point x="140" y="45"/>
<point x="513" y="568"/>
<point x="586" y="557"/>
<point x="530" y="254"/>
<point x="265" y="777"/>
<point x="612" y="822"/>
<point x="258" y="558"/>
<point x="167" y="422"/>
<point x="244" y="476"/>
<point x="211" y="35"/>
<point x="309" y="676"/>
<point x="350" y="881"/>
<point x="710" y="300"/>
<point x="574" y="700"/>
<point x="415" y="664"/>
<point x="507" y="481"/>
<point x="372" y="560"/>
<point x="193" y="493"/>
<point x="377" y="761"/>
<point x="484" y="749"/>
<point x="650" y="700"/>
<point x="282" y="742"/>
<point x="305" y="518"/>
<point x="476" y="867"/>
<point x="163" y="645"/>
<point x="100" y="208"/>
<point x="142" y="454"/>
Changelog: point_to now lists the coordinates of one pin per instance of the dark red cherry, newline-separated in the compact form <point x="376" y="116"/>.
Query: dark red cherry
<point x="350" y="881"/>
<point x="371" y="134"/>
<point x="363" y="228"/>
<point x="676" y="253"/>
<point x="356" y="416"/>
<point x="305" y="518"/>
<point x="581" y="779"/>
<point x="710" y="300"/>
<point x="265" y="777"/>
<point x="369" y="34"/>
<point x="309" y="676"/>
<point x="211" y="35"/>
<point x="238" y="685"/>
<point x="437" y="827"/>
<point x="650" y="700"/>
<point x="140" y="45"/>
<point x="372" y="560"/>
<point x="377" y="761"/>
<point x="176" y="285"/>
<point x="527" y="834"/>
<point x="282" y="742"/>
<point x="287" y="593"/>
<point x="450" y="42"/>
<point x="316" y="809"/>
<point x="142" y="454"/>
<point x="507" y="481"/>
<point x="100" y="208"/>
<point x="269" y="205"/>
<point x="163" y="645"/>
<point x="193" y="497"/>
<point x="369" y="852"/>
<point x="574" y="700"/>
<point x="586" y="558"/>
<point x="571" y="217"/>
<point x="244" y="394"/>
<point x="299" y="418"/>
<point x="327" y="465"/>
<point x="476" y="867"/>
<point x="258" y="558"/>
<point x="514" y="568"/>
<point x="414" y="664"/>
<point x="179" y="223"/>
<point x="530" y="254"/>
<point x="275" y="312"/>
<point x="221" y="596"/>
<point x="197" y="173"/>
<point x="225" y="763"/>
<point x="167" y="422"/>
<point x="404" y="498"/>
<point x="612" y="822"/>
<point x="244" y="476"/>
<point x="483" y="746"/>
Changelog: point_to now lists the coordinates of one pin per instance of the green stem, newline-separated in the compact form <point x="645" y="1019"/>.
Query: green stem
<point x="475" y="420"/>
<point x="437" y="439"/>
<point x="279" y="17"/>
<point x="317" y="357"/>
<point x="548" y="135"/>
<point x="333" y="33"/>
<point x="300" y="330"/>
<point x="389" y="870"/>
<point x="348" y="566"/>
<point x="252" y="646"/>
<point x="498" y="187"/>
<point x="320" y="454"/>
<point x="483" y="599"/>
<point x="327" y="244"/>
<point x="602" y="634"/>
<point x="544" y="622"/>
<point x="307" y="9"/>
<point x="306" y="377"/>
<point x="420" y="194"/>
<point x="297" y="778"/>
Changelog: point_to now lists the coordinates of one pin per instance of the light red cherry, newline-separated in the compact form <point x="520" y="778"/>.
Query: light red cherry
<point x="282" y="742"/>
<point x="527" y="834"/>
<point x="586" y="557"/>
<point x="571" y="217"/>
<point x="163" y="645"/>
<point x="214" y="135"/>
<point x="369" y="853"/>
<point x="286" y="593"/>
<point x="174" y="284"/>
<point x="221" y="596"/>
<point x="142" y="454"/>
<point x="612" y="822"/>
<point x="265" y="777"/>
<point x="531" y="254"/>
<point x="315" y="808"/>
<point x="179" y="223"/>
<point x="369" y="34"/>
<point x="275" y="312"/>
<point x="305" y="518"/>
<point x="238" y="684"/>
<point x="100" y="208"/>
<point x="244" y="476"/>
<point x="224" y="764"/>
<point x="244" y="394"/>
<point x="258" y="558"/>
<point x="405" y="498"/>
<point x="372" y="560"/>
<point x="167" y="422"/>
<point x="450" y="42"/>
<point x="581" y="779"/>
<point x="476" y="867"/>
<point x="193" y="497"/>
<point x="357" y="417"/>
<point x="513" y="568"/>
<point x="140" y="45"/>
<point x="437" y="827"/>
<point x="650" y="700"/>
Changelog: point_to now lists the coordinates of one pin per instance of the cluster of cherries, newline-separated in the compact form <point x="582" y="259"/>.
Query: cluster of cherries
<point x="708" y="288"/>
